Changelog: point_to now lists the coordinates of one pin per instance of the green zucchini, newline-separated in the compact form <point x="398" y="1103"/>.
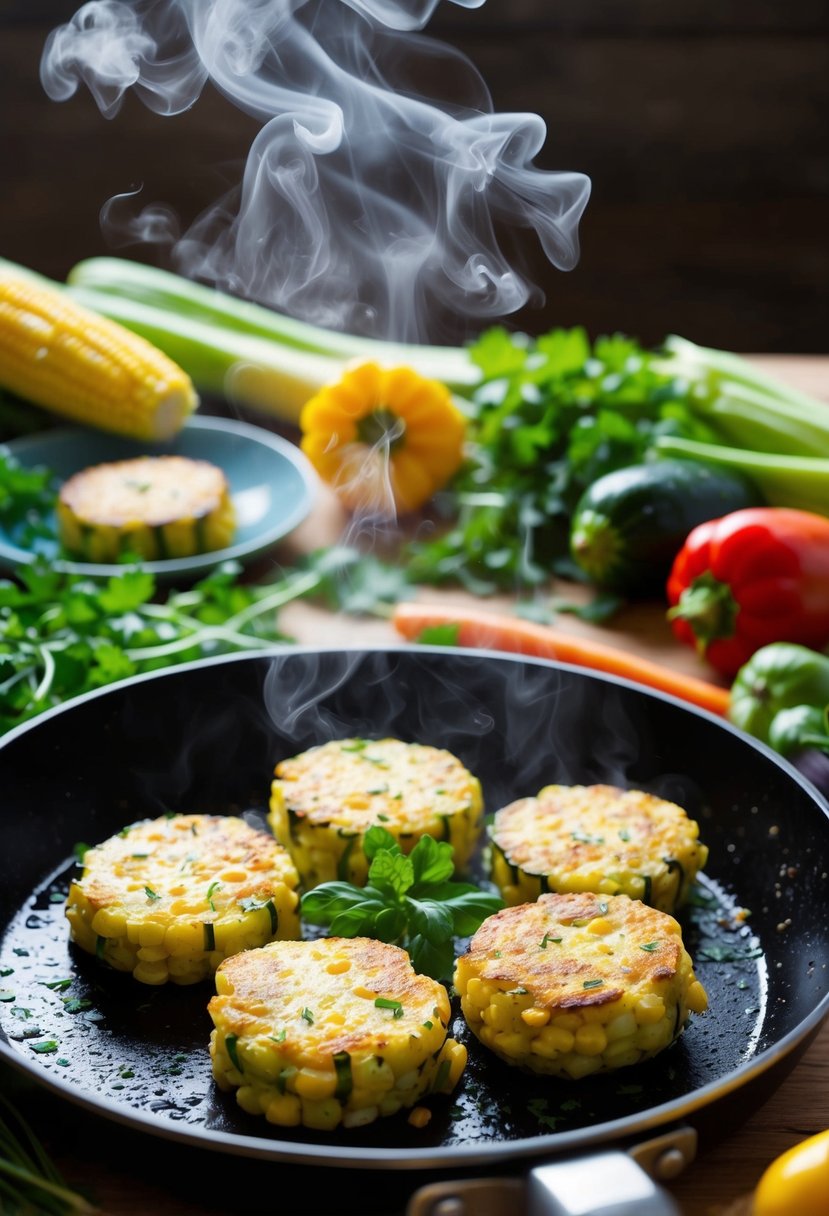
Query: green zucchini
<point x="630" y="524"/>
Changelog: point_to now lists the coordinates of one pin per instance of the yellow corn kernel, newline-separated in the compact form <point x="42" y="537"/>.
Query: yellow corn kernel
<point x="456" y="1053"/>
<point x="649" y="1009"/>
<point x="600" y="926"/>
<point x="554" y="1039"/>
<point x="339" y="966"/>
<point x="150" y="933"/>
<point x="284" y="1110"/>
<point x="322" y="1116"/>
<point x="621" y="1027"/>
<point x="183" y="938"/>
<point x="151" y="973"/>
<point x="71" y="361"/>
<point x="315" y="1084"/>
<point x="250" y="1099"/>
<point x="697" y="997"/>
<point x="590" y="1040"/>
<point x="510" y="1044"/>
<point x="655" y="1036"/>
<point x="109" y="923"/>
<point x="361" y="1116"/>
<point x="581" y="1066"/>
<point x="535" y="1017"/>
<point x="152" y="954"/>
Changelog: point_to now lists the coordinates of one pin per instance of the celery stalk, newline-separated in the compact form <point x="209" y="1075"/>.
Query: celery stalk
<point x="174" y="294"/>
<point x="785" y="480"/>
<point x="748" y="407"/>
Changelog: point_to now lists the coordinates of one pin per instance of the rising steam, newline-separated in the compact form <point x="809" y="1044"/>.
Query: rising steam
<point x="365" y="204"/>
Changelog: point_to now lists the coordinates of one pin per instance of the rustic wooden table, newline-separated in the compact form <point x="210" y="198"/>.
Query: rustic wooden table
<point x="124" y="1170"/>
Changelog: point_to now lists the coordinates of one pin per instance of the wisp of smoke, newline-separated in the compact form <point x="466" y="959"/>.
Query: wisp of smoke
<point x="365" y="205"/>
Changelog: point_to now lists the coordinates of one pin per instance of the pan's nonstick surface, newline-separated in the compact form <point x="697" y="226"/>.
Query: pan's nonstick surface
<point x="206" y="738"/>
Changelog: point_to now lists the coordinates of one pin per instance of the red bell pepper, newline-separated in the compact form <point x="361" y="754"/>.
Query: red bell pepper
<point x="749" y="578"/>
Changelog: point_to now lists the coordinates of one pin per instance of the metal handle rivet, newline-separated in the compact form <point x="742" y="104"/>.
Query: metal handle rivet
<point x="670" y="1164"/>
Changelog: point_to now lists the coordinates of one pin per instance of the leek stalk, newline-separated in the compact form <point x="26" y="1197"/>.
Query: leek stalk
<point x="250" y="354"/>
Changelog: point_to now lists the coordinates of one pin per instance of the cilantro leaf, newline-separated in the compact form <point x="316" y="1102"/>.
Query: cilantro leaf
<point x="549" y="416"/>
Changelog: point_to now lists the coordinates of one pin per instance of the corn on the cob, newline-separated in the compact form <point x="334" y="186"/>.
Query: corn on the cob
<point x="168" y="899"/>
<point x="325" y="800"/>
<point x="596" y="838"/>
<point x="155" y="506"/>
<point x="576" y="984"/>
<point x="330" y="1032"/>
<point x="73" y="362"/>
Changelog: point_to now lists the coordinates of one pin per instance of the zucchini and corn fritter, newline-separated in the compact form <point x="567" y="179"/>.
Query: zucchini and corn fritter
<point x="170" y="898"/>
<point x="578" y="984"/>
<point x="330" y="1032"/>
<point x="325" y="799"/>
<point x="157" y="507"/>
<point x="595" y="838"/>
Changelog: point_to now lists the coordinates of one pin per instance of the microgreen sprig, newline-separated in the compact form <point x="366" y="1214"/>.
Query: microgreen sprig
<point x="409" y="900"/>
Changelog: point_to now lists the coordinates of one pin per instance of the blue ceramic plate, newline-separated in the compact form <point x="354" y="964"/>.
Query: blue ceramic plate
<point x="272" y="484"/>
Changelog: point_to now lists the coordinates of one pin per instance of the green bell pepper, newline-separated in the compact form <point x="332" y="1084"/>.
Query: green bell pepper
<point x="781" y="675"/>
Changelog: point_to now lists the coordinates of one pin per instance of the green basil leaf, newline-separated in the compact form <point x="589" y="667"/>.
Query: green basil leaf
<point x="431" y="919"/>
<point x="432" y="860"/>
<point x="430" y="958"/>
<point x="392" y="873"/>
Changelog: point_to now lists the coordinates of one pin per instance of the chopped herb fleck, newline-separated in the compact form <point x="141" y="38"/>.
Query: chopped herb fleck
<point x="44" y="1047"/>
<point x="383" y="1002"/>
<point x="210" y="891"/>
<point x="209" y="936"/>
<point x="57" y="985"/>
<point x="280" y="1037"/>
<point x="649" y="946"/>
<point x="592" y="983"/>
<point x="6" y="994"/>
<point x="4" y="971"/>
<point x="584" y="838"/>
<point x="428" y="1025"/>
<point x="75" y="1004"/>
<point x="152" y="895"/>
<point x="79" y="851"/>
<point x="308" y="1016"/>
<point x="624" y="835"/>
<point x="230" y="1047"/>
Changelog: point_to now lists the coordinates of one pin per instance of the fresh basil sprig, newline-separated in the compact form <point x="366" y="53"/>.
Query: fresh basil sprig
<point x="409" y="900"/>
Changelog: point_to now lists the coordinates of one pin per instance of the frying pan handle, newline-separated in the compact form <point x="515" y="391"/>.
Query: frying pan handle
<point x="607" y="1183"/>
<point x="603" y="1184"/>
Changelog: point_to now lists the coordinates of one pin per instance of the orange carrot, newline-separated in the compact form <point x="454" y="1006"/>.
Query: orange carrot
<point x="484" y="630"/>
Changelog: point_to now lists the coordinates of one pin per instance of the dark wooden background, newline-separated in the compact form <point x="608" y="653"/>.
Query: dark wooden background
<point x="702" y="124"/>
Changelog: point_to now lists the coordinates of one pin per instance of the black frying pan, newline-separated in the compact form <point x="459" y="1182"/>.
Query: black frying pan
<point x="206" y="738"/>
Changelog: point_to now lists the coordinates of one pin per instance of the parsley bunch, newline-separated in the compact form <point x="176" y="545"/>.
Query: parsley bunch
<point x="549" y="417"/>
<point x="62" y="635"/>
<point x="409" y="900"/>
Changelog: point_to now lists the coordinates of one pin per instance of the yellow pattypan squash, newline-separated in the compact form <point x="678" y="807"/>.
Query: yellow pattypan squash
<point x="386" y="439"/>
<point x="797" y="1182"/>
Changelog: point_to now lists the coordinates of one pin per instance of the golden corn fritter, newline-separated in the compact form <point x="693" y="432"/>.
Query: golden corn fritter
<point x="156" y="506"/>
<point x="330" y="1032"/>
<point x="578" y="984"/>
<point x="325" y="799"/>
<point x="168" y="899"/>
<point x="596" y="838"/>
